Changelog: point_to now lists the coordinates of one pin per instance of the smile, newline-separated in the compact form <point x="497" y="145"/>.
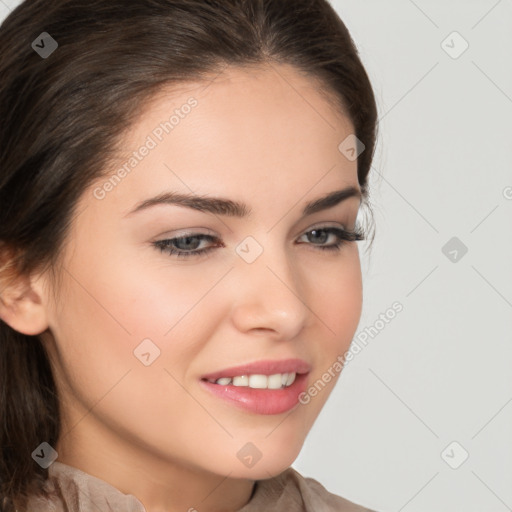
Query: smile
<point x="276" y="381"/>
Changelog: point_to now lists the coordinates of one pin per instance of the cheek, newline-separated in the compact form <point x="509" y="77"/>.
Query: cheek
<point x="154" y="294"/>
<point x="105" y="318"/>
<point x="337" y="299"/>
<point x="107" y="308"/>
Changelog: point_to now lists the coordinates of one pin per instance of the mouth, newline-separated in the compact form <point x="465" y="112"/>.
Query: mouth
<point x="265" y="387"/>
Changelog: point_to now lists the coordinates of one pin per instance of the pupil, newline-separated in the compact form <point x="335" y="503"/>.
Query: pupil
<point x="322" y="233"/>
<point x="187" y="242"/>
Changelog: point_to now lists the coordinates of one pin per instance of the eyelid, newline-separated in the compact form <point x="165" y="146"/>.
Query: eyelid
<point x="180" y="233"/>
<point x="324" y="225"/>
<point x="189" y="232"/>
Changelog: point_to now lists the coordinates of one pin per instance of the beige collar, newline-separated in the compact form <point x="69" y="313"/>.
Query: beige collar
<point x="77" y="491"/>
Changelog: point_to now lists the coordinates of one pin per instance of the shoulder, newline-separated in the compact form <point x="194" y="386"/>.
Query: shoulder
<point x="71" y="490"/>
<point x="291" y="492"/>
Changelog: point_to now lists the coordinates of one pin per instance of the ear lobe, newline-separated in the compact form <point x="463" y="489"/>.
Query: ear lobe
<point x="21" y="304"/>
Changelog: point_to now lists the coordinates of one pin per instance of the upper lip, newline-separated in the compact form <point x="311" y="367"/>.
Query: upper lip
<point x="266" y="367"/>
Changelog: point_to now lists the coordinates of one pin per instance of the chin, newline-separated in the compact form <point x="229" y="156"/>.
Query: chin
<point x="272" y="464"/>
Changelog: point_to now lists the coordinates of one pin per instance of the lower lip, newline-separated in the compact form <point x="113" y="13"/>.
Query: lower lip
<point x="260" y="401"/>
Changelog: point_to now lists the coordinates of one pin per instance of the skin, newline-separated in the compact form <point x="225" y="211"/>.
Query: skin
<point x="152" y="431"/>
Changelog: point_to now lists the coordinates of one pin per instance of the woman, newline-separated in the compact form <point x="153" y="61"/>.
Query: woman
<point x="179" y="187"/>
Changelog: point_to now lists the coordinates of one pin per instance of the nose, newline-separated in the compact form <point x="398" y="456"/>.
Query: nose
<point x="269" y="295"/>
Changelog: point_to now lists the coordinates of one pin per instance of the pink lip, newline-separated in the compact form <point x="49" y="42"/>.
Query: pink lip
<point x="267" y="367"/>
<point x="260" y="401"/>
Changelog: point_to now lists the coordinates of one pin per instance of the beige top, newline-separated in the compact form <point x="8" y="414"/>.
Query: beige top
<point x="287" y="492"/>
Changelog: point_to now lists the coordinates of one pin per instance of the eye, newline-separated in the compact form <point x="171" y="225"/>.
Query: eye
<point x="185" y="246"/>
<point x="188" y="246"/>
<point x="341" y="237"/>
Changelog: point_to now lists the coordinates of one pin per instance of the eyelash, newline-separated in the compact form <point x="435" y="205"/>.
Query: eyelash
<point x="343" y="235"/>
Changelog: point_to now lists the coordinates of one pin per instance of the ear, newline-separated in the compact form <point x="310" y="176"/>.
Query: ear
<point x="22" y="304"/>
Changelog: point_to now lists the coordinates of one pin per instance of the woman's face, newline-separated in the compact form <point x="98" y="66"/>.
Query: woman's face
<point x="137" y="328"/>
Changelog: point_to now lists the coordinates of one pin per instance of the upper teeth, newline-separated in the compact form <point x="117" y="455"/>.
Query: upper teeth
<point x="276" y="381"/>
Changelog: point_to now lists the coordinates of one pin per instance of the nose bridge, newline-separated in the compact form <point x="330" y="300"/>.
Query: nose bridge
<point x="269" y="291"/>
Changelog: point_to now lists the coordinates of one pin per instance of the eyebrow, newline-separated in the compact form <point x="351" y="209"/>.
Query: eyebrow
<point x="228" y="207"/>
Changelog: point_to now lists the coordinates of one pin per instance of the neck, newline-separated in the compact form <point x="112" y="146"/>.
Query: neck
<point x="160" y="485"/>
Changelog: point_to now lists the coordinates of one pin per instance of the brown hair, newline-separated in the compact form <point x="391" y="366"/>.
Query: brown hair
<point x="63" y="115"/>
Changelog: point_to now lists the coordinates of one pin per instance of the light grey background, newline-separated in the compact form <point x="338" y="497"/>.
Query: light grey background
<point x="438" y="372"/>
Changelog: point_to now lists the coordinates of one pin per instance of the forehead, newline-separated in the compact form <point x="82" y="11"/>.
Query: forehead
<point x="242" y="130"/>
<point x="265" y="100"/>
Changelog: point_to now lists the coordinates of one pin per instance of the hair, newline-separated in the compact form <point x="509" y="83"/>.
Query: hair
<point x="64" y="116"/>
